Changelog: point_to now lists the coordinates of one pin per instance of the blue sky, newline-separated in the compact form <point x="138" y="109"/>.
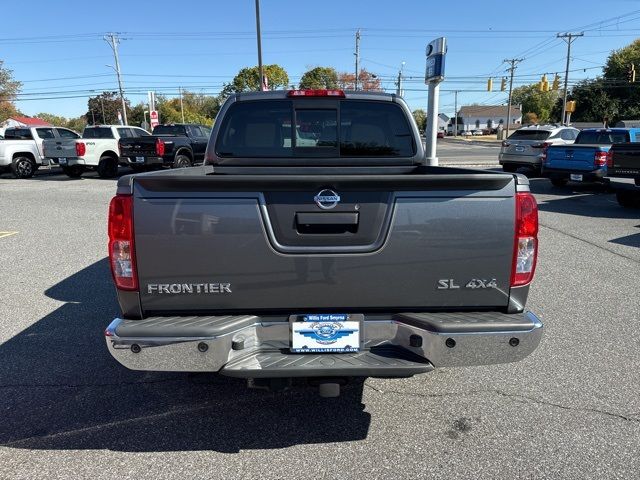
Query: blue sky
<point x="198" y="45"/>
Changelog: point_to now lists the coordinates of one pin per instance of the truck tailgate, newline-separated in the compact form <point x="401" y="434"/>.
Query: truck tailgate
<point x="59" y="148"/>
<point x="142" y="146"/>
<point x="262" y="243"/>
<point x="572" y="157"/>
<point x="625" y="160"/>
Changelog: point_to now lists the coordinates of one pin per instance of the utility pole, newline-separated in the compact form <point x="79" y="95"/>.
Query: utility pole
<point x="399" y="90"/>
<point x="259" y="37"/>
<point x="357" y="54"/>
<point x="181" y="106"/>
<point x="455" y="114"/>
<point x="569" y="38"/>
<point x="113" y="41"/>
<point x="104" y="122"/>
<point x="514" y="62"/>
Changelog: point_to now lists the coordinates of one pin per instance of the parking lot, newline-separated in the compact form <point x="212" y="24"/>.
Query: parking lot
<point x="570" y="410"/>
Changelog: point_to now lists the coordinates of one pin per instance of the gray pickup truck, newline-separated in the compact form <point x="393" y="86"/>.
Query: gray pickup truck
<point x="314" y="242"/>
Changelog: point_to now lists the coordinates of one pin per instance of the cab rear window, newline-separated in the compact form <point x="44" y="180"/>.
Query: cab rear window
<point x="97" y="132"/>
<point x="346" y="128"/>
<point x="535" y="135"/>
<point x="18" y="134"/>
<point x="602" y="137"/>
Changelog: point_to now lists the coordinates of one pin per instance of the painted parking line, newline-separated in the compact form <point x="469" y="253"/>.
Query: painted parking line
<point x="7" y="234"/>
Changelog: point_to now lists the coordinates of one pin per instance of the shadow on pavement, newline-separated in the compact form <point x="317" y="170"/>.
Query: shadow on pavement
<point x="60" y="389"/>
<point x="632" y="240"/>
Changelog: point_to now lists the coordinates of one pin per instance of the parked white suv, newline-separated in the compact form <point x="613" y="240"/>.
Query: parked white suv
<point x="21" y="149"/>
<point x="525" y="146"/>
<point x="96" y="150"/>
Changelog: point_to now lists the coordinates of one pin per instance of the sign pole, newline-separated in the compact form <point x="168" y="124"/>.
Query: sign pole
<point x="434" y="74"/>
<point x="431" y="132"/>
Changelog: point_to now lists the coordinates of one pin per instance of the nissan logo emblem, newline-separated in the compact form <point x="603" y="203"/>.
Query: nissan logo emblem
<point x="327" y="199"/>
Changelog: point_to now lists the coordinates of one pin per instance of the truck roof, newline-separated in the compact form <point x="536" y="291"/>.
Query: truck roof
<point x="353" y="94"/>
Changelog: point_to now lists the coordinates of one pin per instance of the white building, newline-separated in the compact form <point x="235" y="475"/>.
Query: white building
<point x="474" y="117"/>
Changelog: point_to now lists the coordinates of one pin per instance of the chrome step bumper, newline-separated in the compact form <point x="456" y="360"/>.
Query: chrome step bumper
<point x="253" y="347"/>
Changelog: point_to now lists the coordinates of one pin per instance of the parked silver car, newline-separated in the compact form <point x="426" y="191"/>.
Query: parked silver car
<point x="524" y="147"/>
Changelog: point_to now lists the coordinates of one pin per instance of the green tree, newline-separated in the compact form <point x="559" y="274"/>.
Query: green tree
<point x="110" y="103"/>
<point x="420" y="117"/>
<point x="319" y="78"/>
<point x="53" y="119"/>
<point x="9" y="89"/>
<point x="248" y="79"/>
<point x="595" y="102"/>
<point x="534" y="101"/>
<point x="77" y="124"/>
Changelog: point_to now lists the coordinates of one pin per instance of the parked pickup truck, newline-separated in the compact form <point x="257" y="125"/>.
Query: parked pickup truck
<point x="21" y="148"/>
<point x="623" y="170"/>
<point x="96" y="150"/>
<point x="341" y="257"/>
<point x="586" y="159"/>
<point x="174" y="145"/>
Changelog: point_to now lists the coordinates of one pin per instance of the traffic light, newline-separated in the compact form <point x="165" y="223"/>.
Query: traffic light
<point x="571" y="106"/>
<point x="503" y="84"/>
<point x="556" y="83"/>
<point x="632" y="73"/>
<point x="544" y="83"/>
<point x="489" y="84"/>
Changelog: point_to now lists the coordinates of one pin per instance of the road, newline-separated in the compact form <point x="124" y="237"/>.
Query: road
<point x="571" y="410"/>
<point x="462" y="153"/>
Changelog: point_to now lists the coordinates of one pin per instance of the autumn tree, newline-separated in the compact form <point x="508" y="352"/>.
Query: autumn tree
<point x="248" y="79"/>
<point x="319" y="78"/>
<point x="9" y="89"/>
<point x="366" y="81"/>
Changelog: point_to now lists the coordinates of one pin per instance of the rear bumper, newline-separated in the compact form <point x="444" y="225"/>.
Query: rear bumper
<point x="147" y="161"/>
<point x="68" y="162"/>
<point x="525" y="160"/>
<point x="258" y="347"/>
<point x="587" y="176"/>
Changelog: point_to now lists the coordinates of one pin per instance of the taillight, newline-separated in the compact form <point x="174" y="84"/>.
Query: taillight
<point x="545" y="151"/>
<point x="81" y="149"/>
<point x="525" y="251"/>
<point x="316" y="93"/>
<point x="610" y="159"/>
<point x="159" y="147"/>
<point x="601" y="159"/>
<point x="121" y="247"/>
<point x="119" y="148"/>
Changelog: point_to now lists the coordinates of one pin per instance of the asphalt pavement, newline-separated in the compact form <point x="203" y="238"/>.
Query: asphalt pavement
<point x="570" y="410"/>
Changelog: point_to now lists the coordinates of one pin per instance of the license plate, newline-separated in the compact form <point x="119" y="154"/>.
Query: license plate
<point x="575" y="177"/>
<point x="139" y="159"/>
<point x="62" y="161"/>
<point x="519" y="149"/>
<point x="325" y="333"/>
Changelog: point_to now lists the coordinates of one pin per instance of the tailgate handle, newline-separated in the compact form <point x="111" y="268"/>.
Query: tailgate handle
<point x="327" y="223"/>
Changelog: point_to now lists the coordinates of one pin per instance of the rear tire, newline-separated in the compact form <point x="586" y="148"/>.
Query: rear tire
<point x="182" y="161"/>
<point x="74" y="171"/>
<point x="23" y="167"/>
<point x="559" y="182"/>
<point x="628" y="199"/>
<point x="107" y="167"/>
